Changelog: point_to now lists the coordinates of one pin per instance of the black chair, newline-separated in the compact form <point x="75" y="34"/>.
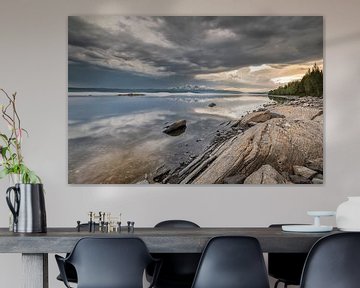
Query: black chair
<point x="333" y="262"/>
<point x="232" y="262"/>
<point x="108" y="263"/>
<point x="178" y="269"/>
<point x="69" y="269"/>
<point x="176" y="224"/>
<point x="286" y="267"/>
<point x="70" y="273"/>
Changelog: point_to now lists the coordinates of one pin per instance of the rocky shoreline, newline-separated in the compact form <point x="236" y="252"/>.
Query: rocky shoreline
<point x="280" y="143"/>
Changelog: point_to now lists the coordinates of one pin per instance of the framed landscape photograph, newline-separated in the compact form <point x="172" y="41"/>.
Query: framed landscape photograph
<point x="195" y="100"/>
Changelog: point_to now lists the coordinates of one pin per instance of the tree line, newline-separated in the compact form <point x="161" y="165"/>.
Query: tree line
<point x="310" y="85"/>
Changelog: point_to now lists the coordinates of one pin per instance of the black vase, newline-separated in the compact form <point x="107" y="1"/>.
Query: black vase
<point x="28" y="208"/>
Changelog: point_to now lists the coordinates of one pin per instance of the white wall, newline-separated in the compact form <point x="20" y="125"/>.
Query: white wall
<point x="33" y="62"/>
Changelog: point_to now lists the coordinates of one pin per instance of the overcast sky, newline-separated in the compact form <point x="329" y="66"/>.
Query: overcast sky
<point x="240" y="53"/>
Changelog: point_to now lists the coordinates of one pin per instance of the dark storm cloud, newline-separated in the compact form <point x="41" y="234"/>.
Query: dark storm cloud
<point x="167" y="46"/>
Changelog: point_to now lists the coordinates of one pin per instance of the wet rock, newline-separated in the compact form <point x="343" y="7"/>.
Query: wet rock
<point x="212" y="104"/>
<point x="161" y="173"/>
<point x="175" y="128"/>
<point x="304" y="172"/>
<point x="266" y="174"/>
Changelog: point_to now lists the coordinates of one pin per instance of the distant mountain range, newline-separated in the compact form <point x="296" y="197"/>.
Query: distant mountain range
<point x="179" y="89"/>
<point x="190" y="87"/>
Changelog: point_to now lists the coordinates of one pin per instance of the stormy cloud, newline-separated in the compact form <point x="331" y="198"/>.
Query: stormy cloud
<point x="169" y="51"/>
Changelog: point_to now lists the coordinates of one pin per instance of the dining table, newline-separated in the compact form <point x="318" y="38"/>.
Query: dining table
<point x="35" y="247"/>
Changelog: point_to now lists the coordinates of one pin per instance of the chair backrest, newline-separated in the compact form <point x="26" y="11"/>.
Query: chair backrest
<point x="286" y="267"/>
<point x="176" y="224"/>
<point x="110" y="262"/>
<point x="178" y="269"/>
<point x="333" y="262"/>
<point x="232" y="262"/>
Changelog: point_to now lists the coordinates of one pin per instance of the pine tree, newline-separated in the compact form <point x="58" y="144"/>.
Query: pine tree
<point x="310" y="85"/>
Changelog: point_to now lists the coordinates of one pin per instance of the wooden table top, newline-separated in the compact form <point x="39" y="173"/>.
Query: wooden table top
<point x="158" y="240"/>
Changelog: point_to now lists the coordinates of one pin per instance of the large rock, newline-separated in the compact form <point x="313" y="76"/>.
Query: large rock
<point x="260" y="116"/>
<point x="257" y="117"/>
<point x="265" y="175"/>
<point x="280" y="142"/>
<point x="304" y="171"/>
<point x="178" y="126"/>
<point x="297" y="112"/>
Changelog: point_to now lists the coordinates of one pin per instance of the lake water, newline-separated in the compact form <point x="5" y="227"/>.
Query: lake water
<point x="119" y="139"/>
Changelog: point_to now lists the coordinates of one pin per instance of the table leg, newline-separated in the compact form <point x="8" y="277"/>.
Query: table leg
<point x="35" y="270"/>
